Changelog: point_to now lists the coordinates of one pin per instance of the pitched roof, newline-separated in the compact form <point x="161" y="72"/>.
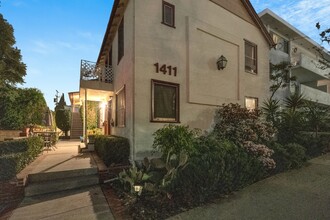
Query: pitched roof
<point x="258" y="22"/>
<point x="119" y="7"/>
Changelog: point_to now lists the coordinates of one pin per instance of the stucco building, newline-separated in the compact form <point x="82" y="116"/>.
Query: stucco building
<point x="159" y="63"/>
<point x="308" y="62"/>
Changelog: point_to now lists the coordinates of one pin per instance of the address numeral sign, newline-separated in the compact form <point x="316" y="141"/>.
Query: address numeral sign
<point x="165" y="69"/>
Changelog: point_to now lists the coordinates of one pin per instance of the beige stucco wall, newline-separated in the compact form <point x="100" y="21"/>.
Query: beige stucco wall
<point x="204" y="31"/>
<point x="123" y="75"/>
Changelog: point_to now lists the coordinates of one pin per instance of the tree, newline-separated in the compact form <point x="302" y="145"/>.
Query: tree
<point x="292" y="119"/>
<point x="12" y="69"/>
<point x="63" y="116"/>
<point x="63" y="120"/>
<point x="21" y="107"/>
<point x="317" y="116"/>
<point x="61" y="104"/>
<point x="32" y="106"/>
<point x="325" y="34"/>
<point x="280" y="77"/>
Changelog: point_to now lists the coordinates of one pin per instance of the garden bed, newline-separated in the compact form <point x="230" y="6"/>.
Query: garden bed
<point x="125" y="206"/>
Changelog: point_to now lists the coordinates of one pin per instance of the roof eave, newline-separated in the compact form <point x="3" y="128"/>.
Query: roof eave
<point x="258" y="21"/>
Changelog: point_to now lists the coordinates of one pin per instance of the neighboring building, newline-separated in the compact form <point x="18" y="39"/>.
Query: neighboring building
<point x="158" y="65"/>
<point x="308" y="64"/>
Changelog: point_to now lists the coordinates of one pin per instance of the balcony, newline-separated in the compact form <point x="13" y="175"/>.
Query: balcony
<point x="315" y="95"/>
<point x="96" y="77"/>
<point x="307" y="69"/>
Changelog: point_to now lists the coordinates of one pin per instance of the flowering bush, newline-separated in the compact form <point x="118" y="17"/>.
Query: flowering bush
<point x="261" y="152"/>
<point x="245" y="128"/>
<point x="232" y="122"/>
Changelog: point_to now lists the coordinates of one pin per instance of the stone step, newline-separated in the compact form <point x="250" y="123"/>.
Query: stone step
<point x="52" y="186"/>
<point x="54" y="176"/>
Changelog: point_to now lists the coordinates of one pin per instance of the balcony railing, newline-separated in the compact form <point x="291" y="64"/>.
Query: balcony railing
<point x="315" y="95"/>
<point x="308" y="69"/>
<point x="90" y="71"/>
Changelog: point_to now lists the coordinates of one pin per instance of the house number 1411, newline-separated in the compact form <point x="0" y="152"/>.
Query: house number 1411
<point x="165" y="69"/>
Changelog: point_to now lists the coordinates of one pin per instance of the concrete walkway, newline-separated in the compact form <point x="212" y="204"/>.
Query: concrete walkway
<point x="84" y="203"/>
<point x="298" y="194"/>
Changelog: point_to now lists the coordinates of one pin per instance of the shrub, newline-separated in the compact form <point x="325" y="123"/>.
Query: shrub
<point x="237" y="124"/>
<point x="9" y="147"/>
<point x="17" y="154"/>
<point x="314" y="145"/>
<point x="216" y="167"/>
<point x="290" y="156"/>
<point x="174" y="139"/>
<point x="112" y="149"/>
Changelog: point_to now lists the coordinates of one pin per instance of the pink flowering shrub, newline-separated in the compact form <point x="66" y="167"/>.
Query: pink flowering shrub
<point x="247" y="129"/>
<point x="261" y="152"/>
<point x="238" y="124"/>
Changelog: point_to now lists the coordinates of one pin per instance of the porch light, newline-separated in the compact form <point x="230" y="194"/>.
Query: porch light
<point x="222" y="62"/>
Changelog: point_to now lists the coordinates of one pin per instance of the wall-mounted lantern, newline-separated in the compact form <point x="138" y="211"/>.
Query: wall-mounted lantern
<point x="222" y="62"/>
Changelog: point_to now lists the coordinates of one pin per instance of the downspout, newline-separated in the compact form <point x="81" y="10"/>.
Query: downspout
<point x="133" y="85"/>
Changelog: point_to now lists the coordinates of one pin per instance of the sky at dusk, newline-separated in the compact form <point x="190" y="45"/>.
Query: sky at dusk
<point x="54" y="35"/>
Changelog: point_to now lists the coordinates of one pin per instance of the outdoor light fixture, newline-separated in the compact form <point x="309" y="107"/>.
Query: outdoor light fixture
<point x="138" y="189"/>
<point x="222" y="62"/>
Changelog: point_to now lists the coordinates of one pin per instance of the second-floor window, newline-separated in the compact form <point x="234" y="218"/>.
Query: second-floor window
<point x="251" y="59"/>
<point x="281" y="43"/>
<point x="121" y="40"/>
<point x="168" y="14"/>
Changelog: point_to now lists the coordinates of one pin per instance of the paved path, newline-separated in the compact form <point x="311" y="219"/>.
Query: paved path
<point x="84" y="203"/>
<point x="298" y="194"/>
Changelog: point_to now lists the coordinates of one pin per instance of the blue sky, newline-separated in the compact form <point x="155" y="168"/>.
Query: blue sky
<point x="54" y="35"/>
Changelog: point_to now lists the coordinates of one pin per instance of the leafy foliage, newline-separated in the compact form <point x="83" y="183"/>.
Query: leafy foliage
<point x="12" y="69"/>
<point x="61" y="104"/>
<point x="21" y="107"/>
<point x="292" y="119"/>
<point x="280" y="77"/>
<point x="325" y="34"/>
<point x="289" y="156"/>
<point x="314" y="145"/>
<point x="317" y="116"/>
<point x="237" y="124"/>
<point x="17" y="154"/>
<point x="63" y="120"/>
<point x="93" y="115"/>
<point x="216" y="167"/>
<point x="271" y="109"/>
<point x="172" y="140"/>
<point x="112" y="149"/>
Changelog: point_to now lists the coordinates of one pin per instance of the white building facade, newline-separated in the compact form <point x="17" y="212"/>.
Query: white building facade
<point x="309" y="64"/>
<point x="163" y="59"/>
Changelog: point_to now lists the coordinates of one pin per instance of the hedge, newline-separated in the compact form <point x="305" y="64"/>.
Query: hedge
<point x="17" y="154"/>
<point x="112" y="149"/>
<point x="217" y="167"/>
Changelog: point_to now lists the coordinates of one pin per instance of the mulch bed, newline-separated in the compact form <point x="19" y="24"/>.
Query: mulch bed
<point x="125" y="206"/>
